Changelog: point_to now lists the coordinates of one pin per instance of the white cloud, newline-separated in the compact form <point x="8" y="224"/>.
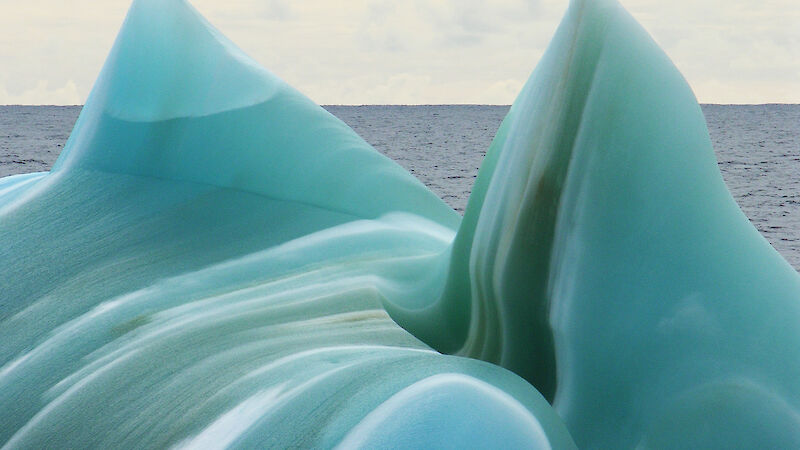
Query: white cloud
<point x="417" y="51"/>
<point x="41" y="94"/>
<point x="502" y="92"/>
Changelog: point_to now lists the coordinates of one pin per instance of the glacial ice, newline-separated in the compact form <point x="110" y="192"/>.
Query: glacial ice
<point x="216" y="261"/>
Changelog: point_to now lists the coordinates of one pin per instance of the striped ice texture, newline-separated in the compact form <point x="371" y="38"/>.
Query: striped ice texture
<point x="215" y="261"/>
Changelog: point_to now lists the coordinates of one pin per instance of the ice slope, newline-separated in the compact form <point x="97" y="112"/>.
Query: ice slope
<point x="616" y="272"/>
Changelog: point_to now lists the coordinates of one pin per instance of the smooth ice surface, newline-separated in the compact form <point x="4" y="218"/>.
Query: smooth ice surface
<point x="177" y="101"/>
<point x="215" y="261"/>
<point x="615" y="272"/>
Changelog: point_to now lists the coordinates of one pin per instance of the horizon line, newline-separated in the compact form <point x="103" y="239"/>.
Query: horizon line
<point x="428" y="104"/>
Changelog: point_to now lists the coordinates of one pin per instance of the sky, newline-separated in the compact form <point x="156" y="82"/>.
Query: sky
<point x="410" y="51"/>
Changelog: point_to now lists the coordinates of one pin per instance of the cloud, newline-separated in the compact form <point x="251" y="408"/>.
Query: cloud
<point x="502" y="92"/>
<point x="41" y="94"/>
<point x="456" y="51"/>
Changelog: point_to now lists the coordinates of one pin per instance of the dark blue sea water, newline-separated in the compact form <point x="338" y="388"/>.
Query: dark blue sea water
<point x="758" y="149"/>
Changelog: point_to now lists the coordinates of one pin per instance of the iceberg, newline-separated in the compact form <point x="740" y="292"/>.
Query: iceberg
<point x="216" y="261"/>
<point x="616" y="273"/>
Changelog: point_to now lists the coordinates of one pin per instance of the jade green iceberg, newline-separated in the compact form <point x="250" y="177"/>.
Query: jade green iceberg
<point x="216" y="261"/>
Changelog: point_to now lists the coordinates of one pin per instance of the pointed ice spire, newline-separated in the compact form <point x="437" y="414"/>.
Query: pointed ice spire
<point x="168" y="62"/>
<point x="607" y="263"/>
<point x="177" y="100"/>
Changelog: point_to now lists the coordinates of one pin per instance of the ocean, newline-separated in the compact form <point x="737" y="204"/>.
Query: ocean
<point x="757" y="147"/>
